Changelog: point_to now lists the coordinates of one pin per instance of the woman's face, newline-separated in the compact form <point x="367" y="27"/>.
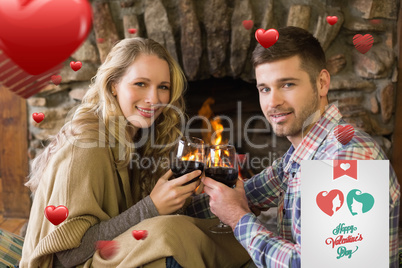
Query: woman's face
<point x="144" y="90"/>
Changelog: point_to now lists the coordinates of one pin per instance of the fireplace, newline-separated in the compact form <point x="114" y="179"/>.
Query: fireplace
<point x="234" y="103"/>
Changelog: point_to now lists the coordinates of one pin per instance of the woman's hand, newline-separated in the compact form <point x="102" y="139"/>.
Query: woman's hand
<point x="169" y="196"/>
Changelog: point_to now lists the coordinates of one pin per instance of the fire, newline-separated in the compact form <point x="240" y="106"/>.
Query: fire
<point x="189" y="157"/>
<point x="213" y="137"/>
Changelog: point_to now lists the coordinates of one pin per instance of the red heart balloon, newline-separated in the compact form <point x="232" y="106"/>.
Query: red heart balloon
<point x="328" y="202"/>
<point x="107" y="249"/>
<point x="56" y="79"/>
<point x="140" y="234"/>
<point x="75" y="65"/>
<point x="38" y="35"/>
<point x="344" y="134"/>
<point x="266" y="38"/>
<point x="332" y="19"/>
<point x="20" y="82"/>
<point x="38" y="117"/>
<point x="56" y="215"/>
<point x="132" y="30"/>
<point x="363" y="43"/>
<point x="248" y="24"/>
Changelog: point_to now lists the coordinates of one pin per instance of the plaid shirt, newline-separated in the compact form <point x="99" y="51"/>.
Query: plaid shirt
<point x="279" y="186"/>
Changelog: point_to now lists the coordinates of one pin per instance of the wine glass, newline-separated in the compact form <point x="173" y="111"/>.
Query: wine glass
<point x="188" y="156"/>
<point x="221" y="166"/>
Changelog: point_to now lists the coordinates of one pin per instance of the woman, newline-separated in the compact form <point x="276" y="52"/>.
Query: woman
<point x="133" y="106"/>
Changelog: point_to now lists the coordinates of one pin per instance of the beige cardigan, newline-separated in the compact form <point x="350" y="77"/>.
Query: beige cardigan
<point x="82" y="176"/>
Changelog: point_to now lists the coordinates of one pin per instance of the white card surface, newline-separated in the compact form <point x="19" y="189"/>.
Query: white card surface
<point x="344" y="213"/>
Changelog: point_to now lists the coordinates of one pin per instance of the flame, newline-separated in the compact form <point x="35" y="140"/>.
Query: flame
<point x="213" y="137"/>
<point x="218" y="129"/>
<point x="189" y="156"/>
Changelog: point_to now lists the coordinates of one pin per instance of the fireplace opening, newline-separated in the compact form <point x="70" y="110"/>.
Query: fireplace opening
<point x="234" y="103"/>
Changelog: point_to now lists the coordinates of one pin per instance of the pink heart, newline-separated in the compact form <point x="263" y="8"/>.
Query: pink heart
<point x="75" y="65"/>
<point x="56" y="79"/>
<point x="248" y="24"/>
<point x="328" y="202"/>
<point x="38" y="117"/>
<point x="107" y="249"/>
<point x="38" y="35"/>
<point x="363" y="43"/>
<point x="56" y="215"/>
<point x="344" y="134"/>
<point x="132" y="30"/>
<point x="140" y="234"/>
<point x="332" y="19"/>
<point x="266" y="38"/>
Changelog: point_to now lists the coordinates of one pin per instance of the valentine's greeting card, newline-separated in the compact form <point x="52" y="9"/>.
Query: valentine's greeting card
<point x="345" y="213"/>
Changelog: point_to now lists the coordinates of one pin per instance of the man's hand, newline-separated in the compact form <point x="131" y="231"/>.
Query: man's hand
<point x="228" y="204"/>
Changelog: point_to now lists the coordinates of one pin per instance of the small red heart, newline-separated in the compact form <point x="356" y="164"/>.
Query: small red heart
<point x="56" y="79"/>
<point x="56" y="215"/>
<point x="107" y="249"/>
<point x="132" y="30"/>
<point x="266" y="38"/>
<point x="49" y="43"/>
<point x="100" y="40"/>
<point x="328" y="202"/>
<point x="344" y="134"/>
<point x="375" y="21"/>
<point x="140" y="234"/>
<point x="75" y="65"/>
<point x="38" y="117"/>
<point x="332" y="20"/>
<point x="363" y="43"/>
<point x="248" y="24"/>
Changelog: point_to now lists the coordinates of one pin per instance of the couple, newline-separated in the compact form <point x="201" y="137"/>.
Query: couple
<point x="107" y="199"/>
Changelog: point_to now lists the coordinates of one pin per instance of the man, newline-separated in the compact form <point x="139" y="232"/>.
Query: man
<point x="293" y="84"/>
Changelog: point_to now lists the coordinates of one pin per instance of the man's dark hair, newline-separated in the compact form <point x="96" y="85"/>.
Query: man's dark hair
<point x="294" y="41"/>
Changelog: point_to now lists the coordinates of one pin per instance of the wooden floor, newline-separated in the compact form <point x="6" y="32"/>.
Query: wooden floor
<point x="12" y="225"/>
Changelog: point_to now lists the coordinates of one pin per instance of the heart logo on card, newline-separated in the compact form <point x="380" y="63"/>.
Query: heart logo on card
<point x="345" y="166"/>
<point x="332" y="20"/>
<point x="38" y="35"/>
<point x="248" y="24"/>
<point x="132" y="30"/>
<point x="363" y="43"/>
<point x="266" y="38"/>
<point x="56" y="215"/>
<point x="330" y="202"/>
<point x="358" y="202"/>
<point x="107" y="249"/>
<point x="344" y="134"/>
<point x="38" y="117"/>
<point x="140" y="234"/>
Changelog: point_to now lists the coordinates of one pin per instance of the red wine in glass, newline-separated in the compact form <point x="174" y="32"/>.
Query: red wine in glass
<point x="182" y="167"/>
<point x="225" y="175"/>
<point x="188" y="156"/>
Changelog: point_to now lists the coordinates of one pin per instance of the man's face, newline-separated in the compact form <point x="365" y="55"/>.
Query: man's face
<point x="287" y="97"/>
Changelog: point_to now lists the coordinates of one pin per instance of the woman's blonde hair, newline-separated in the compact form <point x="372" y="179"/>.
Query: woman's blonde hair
<point x="98" y="108"/>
